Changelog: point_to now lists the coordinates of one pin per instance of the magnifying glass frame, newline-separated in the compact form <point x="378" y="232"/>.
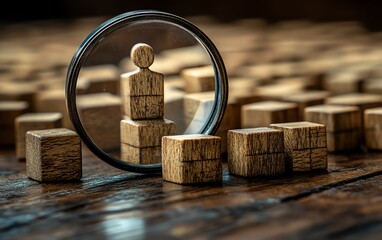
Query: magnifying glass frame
<point x="108" y="27"/>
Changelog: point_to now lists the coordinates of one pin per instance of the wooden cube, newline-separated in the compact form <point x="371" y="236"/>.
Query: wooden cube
<point x="256" y="152"/>
<point x="33" y="121"/>
<point x="189" y="159"/>
<point x="305" y="145"/>
<point x="9" y="111"/>
<point x="261" y="114"/>
<point x="53" y="155"/>
<point x="343" y="125"/>
<point x="199" y="79"/>
<point x="362" y="100"/>
<point x="141" y="155"/>
<point x="373" y="128"/>
<point x="99" y="78"/>
<point x="143" y="107"/>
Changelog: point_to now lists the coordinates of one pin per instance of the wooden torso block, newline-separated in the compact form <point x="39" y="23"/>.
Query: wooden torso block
<point x="261" y="114"/>
<point x="9" y="111"/>
<point x="33" y="121"/>
<point x="306" y="99"/>
<point x="343" y="125"/>
<point x="373" y="128"/>
<point x="199" y="79"/>
<point x="256" y="152"/>
<point x="190" y="159"/>
<point x="100" y="114"/>
<point x="53" y="155"/>
<point x="141" y="140"/>
<point x="305" y="145"/>
<point x="142" y="91"/>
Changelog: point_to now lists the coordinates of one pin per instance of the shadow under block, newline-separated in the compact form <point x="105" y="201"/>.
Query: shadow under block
<point x="256" y="152"/>
<point x="9" y="111"/>
<point x="100" y="114"/>
<point x="373" y="128"/>
<point x="191" y="159"/>
<point x="305" y="145"/>
<point x="53" y="155"/>
<point x="343" y="125"/>
<point x="142" y="93"/>
<point x="33" y="121"/>
<point x="261" y="114"/>
<point x="199" y="79"/>
<point x="141" y="140"/>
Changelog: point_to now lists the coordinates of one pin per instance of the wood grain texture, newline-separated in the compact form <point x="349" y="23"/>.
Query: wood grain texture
<point x="373" y="128"/>
<point x="143" y="107"/>
<point x="53" y="155"/>
<point x="305" y="143"/>
<point x="142" y="55"/>
<point x="256" y="152"/>
<point x="261" y="114"/>
<point x="343" y="125"/>
<point x="141" y="155"/>
<point x="199" y="79"/>
<point x="142" y="82"/>
<point x="146" y="133"/>
<point x="33" y="121"/>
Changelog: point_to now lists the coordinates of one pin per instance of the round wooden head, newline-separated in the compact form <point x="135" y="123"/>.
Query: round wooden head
<point x="142" y="55"/>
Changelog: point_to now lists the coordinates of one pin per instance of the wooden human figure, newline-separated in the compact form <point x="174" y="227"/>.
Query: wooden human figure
<point x="143" y="125"/>
<point x="142" y="90"/>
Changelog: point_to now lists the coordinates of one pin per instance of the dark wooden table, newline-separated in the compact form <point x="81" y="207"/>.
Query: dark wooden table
<point x="343" y="203"/>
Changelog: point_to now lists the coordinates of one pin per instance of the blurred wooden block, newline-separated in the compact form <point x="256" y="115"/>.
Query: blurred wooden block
<point x="100" y="78"/>
<point x="306" y="99"/>
<point x="362" y="100"/>
<point x="373" y="85"/>
<point x="53" y="155"/>
<point x="33" y="121"/>
<point x="9" y="111"/>
<point x="343" y="82"/>
<point x="199" y="79"/>
<point x="190" y="159"/>
<point x="100" y="114"/>
<point x="343" y="125"/>
<point x="305" y="145"/>
<point x="19" y="91"/>
<point x="373" y="128"/>
<point x="256" y="152"/>
<point x="276" y="91"/>
<point x="261" y="114"/>
<point x="174" y="108"/>
<point x="141" y="155"/>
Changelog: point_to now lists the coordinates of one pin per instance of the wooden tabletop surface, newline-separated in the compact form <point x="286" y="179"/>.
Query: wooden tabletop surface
<point x="343" y="203"/>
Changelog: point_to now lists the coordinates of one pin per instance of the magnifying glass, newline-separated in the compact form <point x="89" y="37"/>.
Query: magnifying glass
<point x="195" y="81"/>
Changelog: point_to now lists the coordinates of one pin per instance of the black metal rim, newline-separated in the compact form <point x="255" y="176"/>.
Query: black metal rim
<point x="83" y="51"/>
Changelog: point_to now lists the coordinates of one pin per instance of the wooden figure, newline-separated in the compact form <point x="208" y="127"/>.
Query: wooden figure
<point x="305" y="145"/>
<point x="33" y="121"/>
<point x="373" y="128"/>
<point x="343" y="125"/>
<point x="191" y="159"/>
<point x="142" y="90"/>
<point x="261" y="114"/>
<point x="53" y="155"/>
<point x="256" y="152"/>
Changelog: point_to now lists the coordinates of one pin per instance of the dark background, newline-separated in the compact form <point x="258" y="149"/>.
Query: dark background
<point x="366" y="11"/>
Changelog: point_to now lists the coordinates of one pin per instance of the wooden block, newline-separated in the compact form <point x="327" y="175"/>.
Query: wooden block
<point x="53" y="155"/>
<point x="261" y="114"/>
<point x="173" y="108"/>
<point x="199" y="79"/>
<point x="373" y="128"/>
<point x="373" y="85"/>
<point x="146" y="133"/>
<point x="142" y="90"/>
<point x="100" y="114"/>
<point x="33" y="121"/>
<point x="99" y="78"/>
<point x="141" y="155"/>
<point x="9" y="111"/>
<point x="343" y="82"/>
<point x="306" y="99"/>
<point x="300" y="140"/>
<point x="16" y="91"/>
<point x="256" y="152"/>
<point x="190" y="159"/>
<point x="362" y="100"/>
<point x="343" y="125"/>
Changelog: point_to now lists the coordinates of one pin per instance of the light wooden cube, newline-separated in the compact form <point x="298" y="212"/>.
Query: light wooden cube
<point x="261" y="114"/>
<point x="256" y="152"/>
<point x="343" y="125"/>
<point x="305" y="145"/>
<point x="362" y="100"/>
<point x="199" y="79"/>
<point x="373" y="128"/>
<point x="141" y="155"/>
<point x="33" y="121"/>
<point x="53" y="155"/>
<point x="189" y="159"/>
<point x="9" y="111"/>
